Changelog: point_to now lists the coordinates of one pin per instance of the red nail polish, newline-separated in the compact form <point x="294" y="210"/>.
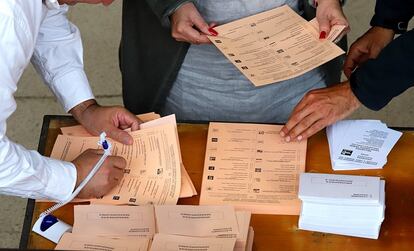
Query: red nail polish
<point x="212" y="31"/>
<point x="322" y="35"/>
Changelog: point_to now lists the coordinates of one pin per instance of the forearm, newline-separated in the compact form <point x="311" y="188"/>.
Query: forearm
<point x="393" y="14"/>
<point x="379" y="80"/>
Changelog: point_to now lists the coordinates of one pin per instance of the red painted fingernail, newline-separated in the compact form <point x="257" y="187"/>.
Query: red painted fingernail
<point x="212" y="31"/>
<point x="322" y="35"/>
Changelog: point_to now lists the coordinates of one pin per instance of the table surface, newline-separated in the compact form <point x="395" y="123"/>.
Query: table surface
<point x="275" y="232"/>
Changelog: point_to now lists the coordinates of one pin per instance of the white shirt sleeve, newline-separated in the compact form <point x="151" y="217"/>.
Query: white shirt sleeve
<point x="58" y="57"/>
<point x="22" y="172"/>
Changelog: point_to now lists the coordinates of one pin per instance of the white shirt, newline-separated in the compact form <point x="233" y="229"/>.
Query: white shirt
<point x="40" y="32"/>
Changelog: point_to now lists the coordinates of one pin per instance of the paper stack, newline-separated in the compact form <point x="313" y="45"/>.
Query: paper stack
<point x="110" y="227"/>
<point x="360" y="144"/>
<point x="342" y="204"/>
<point x="210" y="227"/>
<point x="155" y="167"/>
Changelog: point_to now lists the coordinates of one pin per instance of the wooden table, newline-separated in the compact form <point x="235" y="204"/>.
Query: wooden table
<point x="276" y="232"/>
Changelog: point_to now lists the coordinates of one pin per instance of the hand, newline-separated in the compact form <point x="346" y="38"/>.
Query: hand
<point x="108" y="176"/>
<point x="367" y="47"/>
<point x="318" y="109"/>
<point x="111" y="120"/>
<point x="187" y="25"/>
<point x="328" y="14"/>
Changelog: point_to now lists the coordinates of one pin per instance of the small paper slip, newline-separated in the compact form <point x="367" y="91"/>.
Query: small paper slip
<point x="342" y="204"/>
<point x="360" y="144"/>
<point x="164" y="242"/>
<point x="108" y="220"/>
<point x="71" y="241"/>
<point x="201" y="221"/>
<point x="362" y="190"/>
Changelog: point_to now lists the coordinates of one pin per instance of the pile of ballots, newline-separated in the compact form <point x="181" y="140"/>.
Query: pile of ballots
<point x="342" y="204"/>
<point x="360" y="144"/>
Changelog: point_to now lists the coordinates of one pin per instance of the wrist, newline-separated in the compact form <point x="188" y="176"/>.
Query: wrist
<point x="79" y="110"/>
<point x="354" y="101"/>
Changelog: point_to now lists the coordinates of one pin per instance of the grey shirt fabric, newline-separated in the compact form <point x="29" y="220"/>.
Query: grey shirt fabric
<point x="208" y="87"/>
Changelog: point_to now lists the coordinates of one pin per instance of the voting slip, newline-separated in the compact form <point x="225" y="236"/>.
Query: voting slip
<point x="155" y="173"/>
<point x="275" y="45"/>
<point x="342" y="204"/>
<point x="251" y="167"/>
<point x="205" y="221"/>
<point x="360" y="144"/>
<point x="70" y="241"/>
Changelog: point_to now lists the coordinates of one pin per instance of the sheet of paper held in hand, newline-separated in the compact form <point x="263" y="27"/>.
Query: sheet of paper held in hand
<point x="114" y="221"/>
<point x="252" y="168"/>
<point x="152" y="174"/>
<point x="71" y="241"/>
<point x="275" y="45"/>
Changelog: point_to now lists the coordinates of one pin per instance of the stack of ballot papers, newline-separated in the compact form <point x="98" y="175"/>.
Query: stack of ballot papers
<point x="342" y="204"/>
<point x="154" y="162"/>
<point x="109" y="227"/>
<point x="360" y="144"/>
<point x="251" y="167"/>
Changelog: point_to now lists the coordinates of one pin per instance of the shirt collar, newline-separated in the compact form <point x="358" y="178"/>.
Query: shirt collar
<point x="52" y="4"/>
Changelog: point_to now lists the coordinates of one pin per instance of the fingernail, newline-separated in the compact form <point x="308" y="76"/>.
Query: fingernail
<point x="287" y="139"/>
<point x="299" y="138"/>
<point x="128" y="141"/>
<point x="212" y="31"/>
<point x="281" y="133"/>
<point x="322" y="35"/>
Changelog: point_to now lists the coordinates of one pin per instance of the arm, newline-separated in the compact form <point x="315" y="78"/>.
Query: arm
<point x="58" y="57"/>
<point x="379" y="80"/>
<point x="22" y="172"/>
<point x="390" y="17"/>
<point x="373" y="84"/>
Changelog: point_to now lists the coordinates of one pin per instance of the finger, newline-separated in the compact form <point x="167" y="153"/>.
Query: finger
<point x="193" y="36"/>
<point x="352" y="60"/>
<point x="200" y="24"/>
<point x="128" y="120"/>
<point x="303" y="125"/>
<point x="295" y="118"/>
<point x="316" y="127"/>
<point x="95" y="151"/>
<point x="324" y="27"/>
<point x="117" y="162"/>
<point x="119" y="135"/>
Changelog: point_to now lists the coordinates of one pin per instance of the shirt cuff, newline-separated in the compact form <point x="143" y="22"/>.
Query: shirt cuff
<point x="62" y="180"/>
<point x="72" y="89"/>
<point x="364" y="96"/>
<point x="397" y="25"/>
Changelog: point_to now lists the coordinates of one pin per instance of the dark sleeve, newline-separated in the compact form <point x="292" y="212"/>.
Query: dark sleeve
<point x="379" y="80"/>
<point x="393" y="14"/>
<point x="164" y="8"/>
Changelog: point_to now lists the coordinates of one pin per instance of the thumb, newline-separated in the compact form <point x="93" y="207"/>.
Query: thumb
<point x="201" y="25"/>
<point x="324" y="27"/>
<point x="119" y="135"/>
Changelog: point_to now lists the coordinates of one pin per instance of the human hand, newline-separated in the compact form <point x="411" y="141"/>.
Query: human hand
<point x="107" y="177"/>
<point x="318" y="109"/>
<point x="111" y="120"/>
<point x="328" y="14"/>
<point x="187" y="25"/>
<point x="368" y="46"/>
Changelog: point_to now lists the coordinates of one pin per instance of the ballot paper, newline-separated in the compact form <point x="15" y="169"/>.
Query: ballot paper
<point x="70" y="241"/>
<point x="275" y="45"/>
<point x="342" y="204"/>
<point x="165" y="242"/>
<point x="152" y="174"/>
<point x="200" y="221"/>
<point x="360" y="144"/>
<point x="114" y="221"/>
<point x="150" y="120"/>
<point x="252" y="168"/>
